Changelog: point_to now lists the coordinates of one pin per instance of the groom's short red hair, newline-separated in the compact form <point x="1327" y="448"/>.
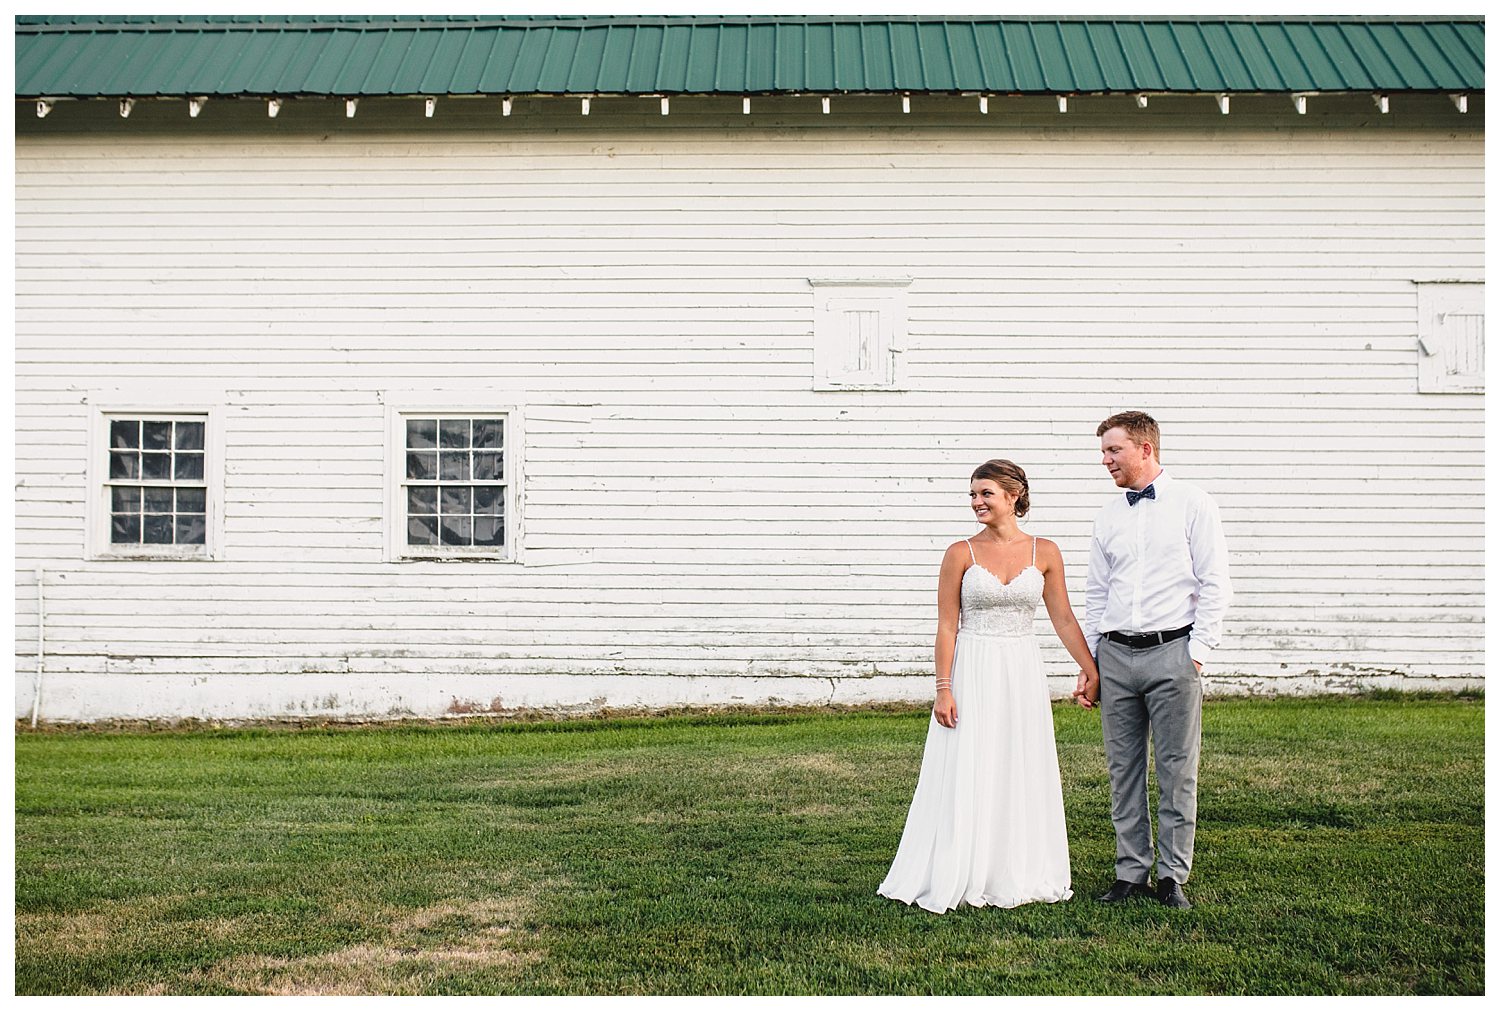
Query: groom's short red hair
<point x="1139" y="426"/>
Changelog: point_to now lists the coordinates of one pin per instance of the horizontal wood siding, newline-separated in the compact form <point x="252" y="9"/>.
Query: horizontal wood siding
<point x="638" y="286"/>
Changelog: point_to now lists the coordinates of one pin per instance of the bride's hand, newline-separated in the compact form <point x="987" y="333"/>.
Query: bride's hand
<point x="945" y="709"/>
<point x="1080" y="690"/>
<point x="1086" y="694"/>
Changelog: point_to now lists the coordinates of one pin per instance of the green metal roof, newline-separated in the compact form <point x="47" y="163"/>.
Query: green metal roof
<point x="288" y="55"/>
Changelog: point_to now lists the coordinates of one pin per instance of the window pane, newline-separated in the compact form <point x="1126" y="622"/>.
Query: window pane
<point x="124" y="434"/>
<point x="126" y="465"/>
<point x="190" y="466"/>
<point x="156" y="435"/>
<point x="157" y="529"/>
<point x="156" y="466"/>
<point x="489" y="498"/>
<point x="125" y="500"/>
<point x="458" y="530"/>
<point x="191" y="500"/>
<point x="489" y="530"/>
<point x="487" y="466"/>
<point x="421" y="433"/>
<point x="189" y="435"/>
<point x="455" y="466"/>
<point x="190" y="529"/>
<point x="488" y="433"/>
<point x="454" y="433"/>
<point x="421" y="530"/>
<point x="158" y="500"/>
<point x="457" y="500"/>
<point x="421" y="466"/>
<point x="421" y="500"/>
<point x="125" y="530"/>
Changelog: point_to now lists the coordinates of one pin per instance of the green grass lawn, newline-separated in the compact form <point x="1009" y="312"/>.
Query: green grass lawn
<point x="1340" y="850"/>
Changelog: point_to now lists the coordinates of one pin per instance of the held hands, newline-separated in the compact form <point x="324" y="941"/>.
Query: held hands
<point x="1086" y="694"/>
<point x="945" y="710"/>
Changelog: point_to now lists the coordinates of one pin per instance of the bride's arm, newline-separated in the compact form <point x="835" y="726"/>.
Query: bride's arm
<point x="950" y="581"/>
<point x="1060" y="610"/>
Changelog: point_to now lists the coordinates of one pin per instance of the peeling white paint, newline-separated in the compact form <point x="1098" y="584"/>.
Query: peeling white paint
<point x="85" y="698"/>
<point x="699" y="524"/>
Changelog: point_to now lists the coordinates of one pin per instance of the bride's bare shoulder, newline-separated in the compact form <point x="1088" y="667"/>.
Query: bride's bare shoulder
<point x="958" y="549"/>
<point x="1047" y="551"/>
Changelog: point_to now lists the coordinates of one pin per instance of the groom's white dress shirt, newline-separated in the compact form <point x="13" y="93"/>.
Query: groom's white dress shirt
<point x="1158" y="565"/>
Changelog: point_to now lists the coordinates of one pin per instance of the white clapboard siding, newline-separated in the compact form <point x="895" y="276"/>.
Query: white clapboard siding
<point x="697" y="523"/>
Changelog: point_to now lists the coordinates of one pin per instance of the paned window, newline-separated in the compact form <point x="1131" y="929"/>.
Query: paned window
<point x="156" y="486"/>
<point x="454" y="491"/>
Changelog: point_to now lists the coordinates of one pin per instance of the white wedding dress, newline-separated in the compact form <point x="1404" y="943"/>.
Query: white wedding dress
<point x="986" y="825"/>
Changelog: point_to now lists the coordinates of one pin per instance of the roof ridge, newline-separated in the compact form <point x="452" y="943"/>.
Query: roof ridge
<point x="34" y="24"/>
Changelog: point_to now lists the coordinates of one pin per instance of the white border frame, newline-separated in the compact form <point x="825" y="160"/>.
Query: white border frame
<point x="97" y="545"/>
<point x="396" y="548"/>
<point x="887" y="295"/>
<point x="1432" y="296"/>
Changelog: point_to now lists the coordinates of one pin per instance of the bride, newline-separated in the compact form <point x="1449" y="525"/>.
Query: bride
<point x="986" y="823"/>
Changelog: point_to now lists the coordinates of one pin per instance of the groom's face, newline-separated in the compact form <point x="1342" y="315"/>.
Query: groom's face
<point x="1127" y="462"/>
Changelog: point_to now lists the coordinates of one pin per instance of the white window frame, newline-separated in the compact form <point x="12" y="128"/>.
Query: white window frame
<point x="396" y="548"/>
<point x="1437" y="304"/>
<point x="846" y="359"/>
<point x="97" y="543"/>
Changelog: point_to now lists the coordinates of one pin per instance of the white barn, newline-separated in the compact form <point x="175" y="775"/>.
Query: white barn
<point x="371" y="368"/>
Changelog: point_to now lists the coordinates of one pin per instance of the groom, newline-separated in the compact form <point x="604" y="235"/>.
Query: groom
<point x="1158" y="587"/>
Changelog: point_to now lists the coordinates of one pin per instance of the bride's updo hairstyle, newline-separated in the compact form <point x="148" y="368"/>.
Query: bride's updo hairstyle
<point x="1008" y="476"/>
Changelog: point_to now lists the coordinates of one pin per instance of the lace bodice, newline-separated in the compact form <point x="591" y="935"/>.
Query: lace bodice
<point x="990" y="607"/>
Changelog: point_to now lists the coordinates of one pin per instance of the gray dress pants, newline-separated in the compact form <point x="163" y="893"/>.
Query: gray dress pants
<point x="1153" y="691"/>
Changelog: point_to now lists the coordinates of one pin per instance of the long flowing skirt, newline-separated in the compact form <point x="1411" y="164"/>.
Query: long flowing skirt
<point x="986" y="825"/>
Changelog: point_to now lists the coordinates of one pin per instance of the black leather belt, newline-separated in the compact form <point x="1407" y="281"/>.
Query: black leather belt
<point x="1147" y="638"/>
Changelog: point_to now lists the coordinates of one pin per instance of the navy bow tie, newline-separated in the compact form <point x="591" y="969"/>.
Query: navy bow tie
<point x="1132" y="497"/>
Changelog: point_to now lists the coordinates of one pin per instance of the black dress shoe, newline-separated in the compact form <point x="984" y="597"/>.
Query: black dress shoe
<point x="1169" y="893"/>
<point x="1122" y="890"/>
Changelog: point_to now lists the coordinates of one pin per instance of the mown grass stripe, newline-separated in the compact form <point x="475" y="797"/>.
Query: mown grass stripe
<point x="1340" y="850"/>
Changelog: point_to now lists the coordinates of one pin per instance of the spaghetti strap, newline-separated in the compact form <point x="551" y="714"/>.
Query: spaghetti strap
<point x="1033" y="552"/>
<point x="970" y="543"/>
